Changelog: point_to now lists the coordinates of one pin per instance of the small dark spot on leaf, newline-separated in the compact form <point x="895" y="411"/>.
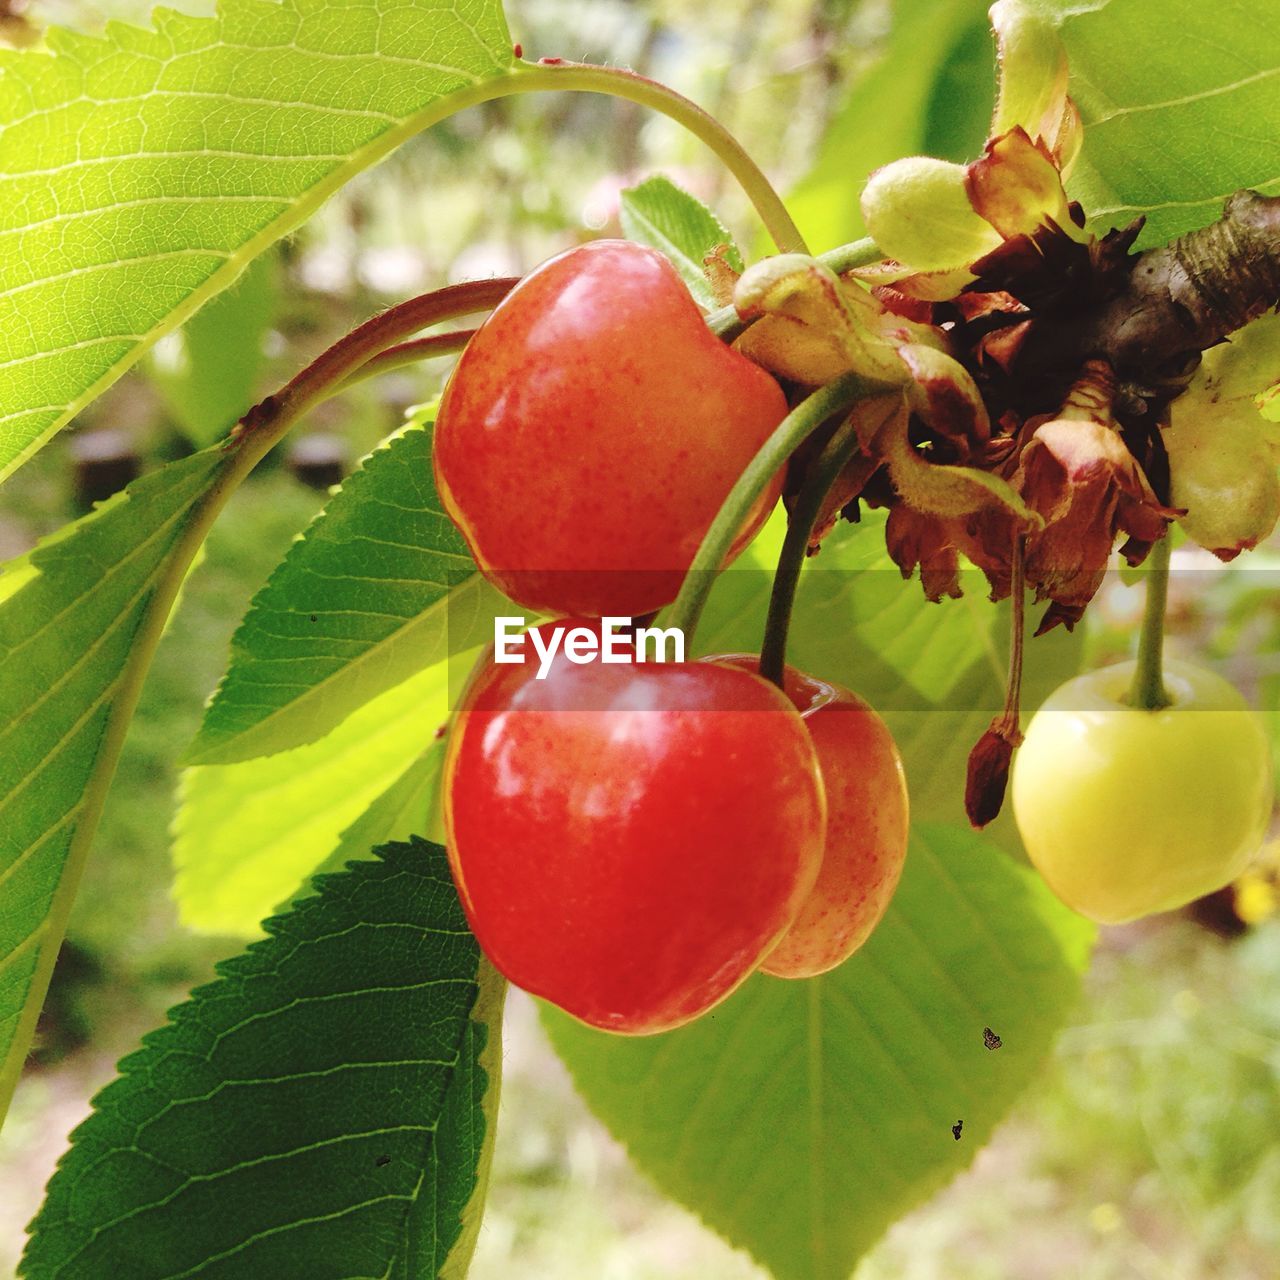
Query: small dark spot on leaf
<point x="313" y="618"/>
<point x="955" y="1129"/>
<point x="990" y="1039"/>
<point x="382" y="1160"/>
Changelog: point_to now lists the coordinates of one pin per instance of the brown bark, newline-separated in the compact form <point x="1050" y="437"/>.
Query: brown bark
<point x="1189" y="295"/>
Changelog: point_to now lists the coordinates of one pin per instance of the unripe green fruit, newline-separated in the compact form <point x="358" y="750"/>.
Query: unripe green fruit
<point x="1127" y="812"/>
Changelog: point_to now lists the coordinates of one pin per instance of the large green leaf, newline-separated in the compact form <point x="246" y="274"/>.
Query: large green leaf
<point x="379" y="587"/>
<point x="248" y="834"/>
<point x="141" y="172"/>
<point x="799" y="1119"/>
<point x="324" y="1109"/>
<point x="78" y="627"/>
<point x="1179" y="101"/>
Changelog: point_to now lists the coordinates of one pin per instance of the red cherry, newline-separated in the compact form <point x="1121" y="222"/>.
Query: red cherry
<point x="630" y="841"/>
<point x="867" y="820"/>
<point x="591" y="430"/>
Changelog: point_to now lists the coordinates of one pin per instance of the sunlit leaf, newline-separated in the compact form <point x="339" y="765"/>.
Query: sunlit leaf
<point x="378" y="587"/>
<point x="76" y="637"/>
<point x="248" y="834"/>
<point x="660" y="214"/>
<point x="1173" y="97"/>
<point x="141" y="172"/>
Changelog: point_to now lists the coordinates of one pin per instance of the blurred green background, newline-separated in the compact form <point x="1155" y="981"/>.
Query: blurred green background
<point x="1150" y="1146"/>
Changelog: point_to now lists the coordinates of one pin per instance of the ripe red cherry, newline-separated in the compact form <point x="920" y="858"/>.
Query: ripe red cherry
<point x="867" y="820"/>
<point x="630" y="841"/>
<point x="591" y="430"/>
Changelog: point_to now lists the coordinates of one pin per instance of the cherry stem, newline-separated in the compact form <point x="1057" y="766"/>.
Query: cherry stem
<point x="847" y="257"/>
<point x="1148" y="693"/>
<point x="795" y="546"/>
<point x="407" y="353"/>
<point x="620" y="83"/>
<point x="1009" y="719"/>
<point x="787" y="436"/>
<point x="332" y="369"/>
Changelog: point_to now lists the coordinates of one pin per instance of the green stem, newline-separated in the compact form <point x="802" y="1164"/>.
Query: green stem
<point x="795" y="546"/>
<point x="857" y="253"/>
<point x="1147" y="692"/>
<point x="789" y="434"/>
<point x="553" y="73"/>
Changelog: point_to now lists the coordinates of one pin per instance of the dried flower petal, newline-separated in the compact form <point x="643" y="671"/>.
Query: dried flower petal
<point x="721" y="274"/>
<point x="809" y="325"/>
<point x="1016" y="187"/>
<point x="918" y="541"/>
<point x="1080" y="476"/>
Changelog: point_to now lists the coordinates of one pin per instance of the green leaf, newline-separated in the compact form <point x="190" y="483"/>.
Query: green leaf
<point x="248" y="834"/>
<point x="1174" y="97"/>
<point x="801" y="1118"/>
<point x="409" y="806"/>
<point x="319" y="1110"/>
<point x="141" y="172"/>
<point x="76" y="637"/>
<point x="379" y="587"/>
<point x="661" y="215"/>
<point x="208" y="371"/>
<point x="923" y="95"/>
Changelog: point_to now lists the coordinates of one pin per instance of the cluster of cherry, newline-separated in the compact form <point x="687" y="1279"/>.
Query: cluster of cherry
<point x="631" y="841"/>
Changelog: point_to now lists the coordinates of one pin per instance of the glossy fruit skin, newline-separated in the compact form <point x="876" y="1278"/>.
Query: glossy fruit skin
<point x="868" y="816"/>
<point x="591" y="430"/>
<point x="1127" y="812"/>
<point x="629" y="841"/>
